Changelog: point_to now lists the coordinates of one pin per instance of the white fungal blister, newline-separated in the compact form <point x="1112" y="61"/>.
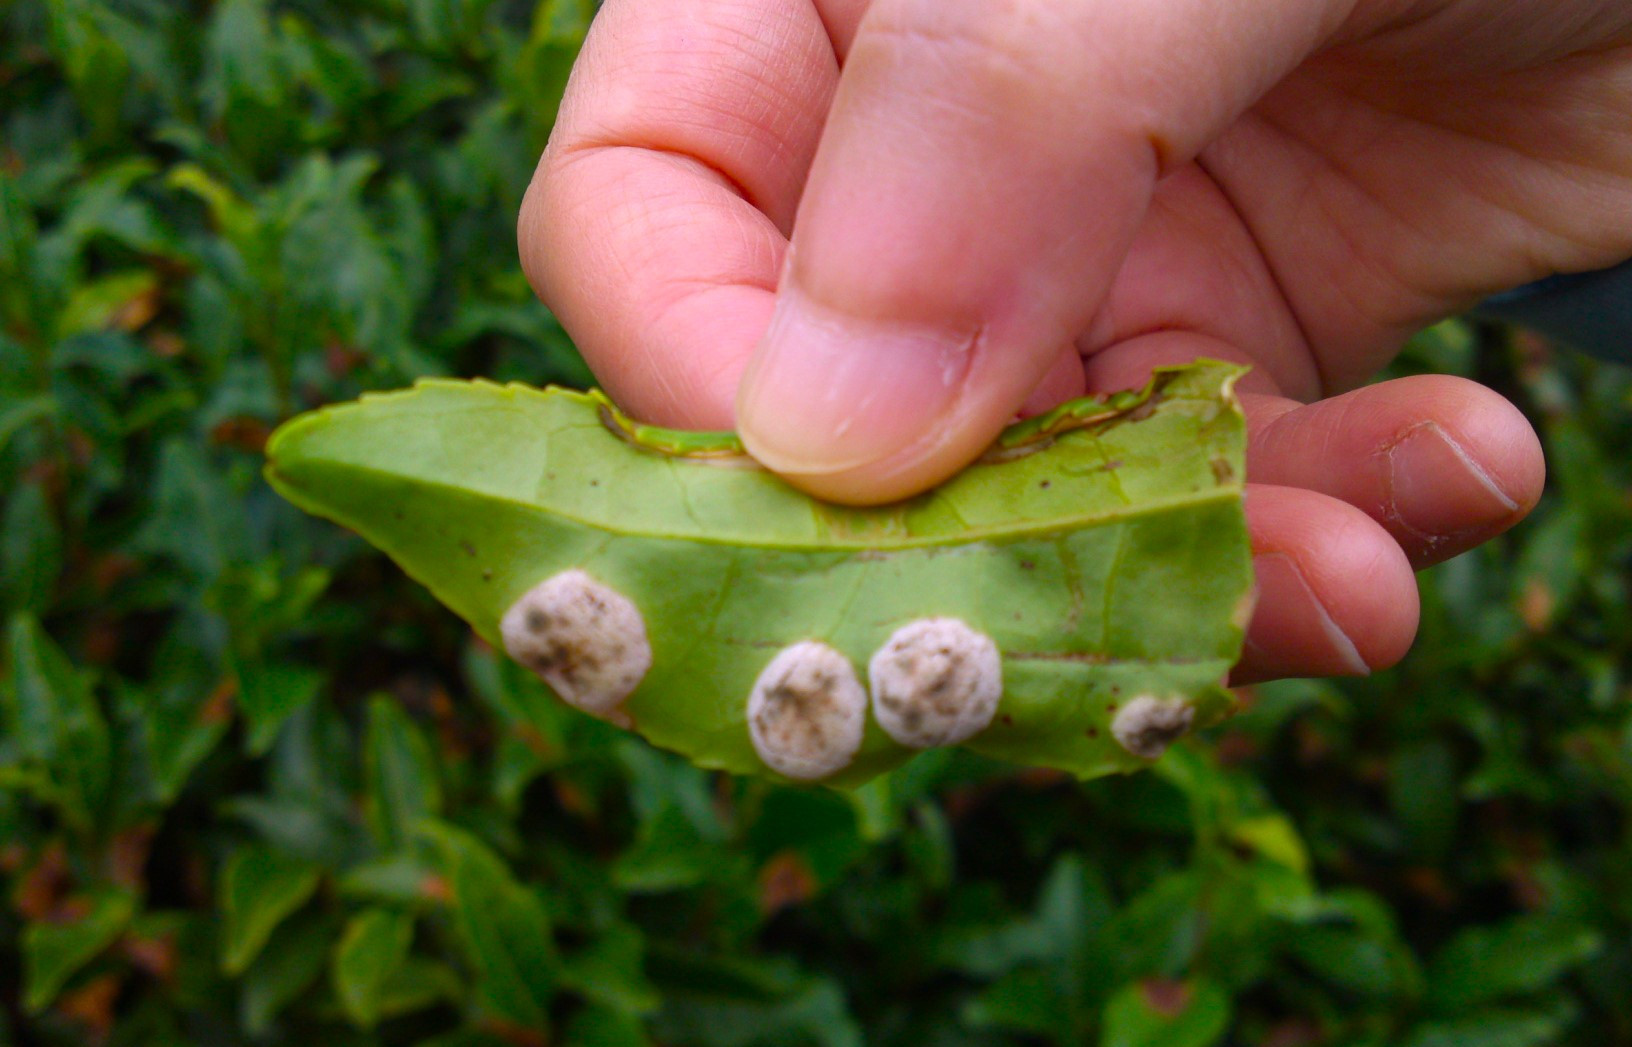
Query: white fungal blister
<point x="935" y="682"/>
<point x="585" y="639"/>
<point x="807" y="711"/>
<point x="1147" y="725"/>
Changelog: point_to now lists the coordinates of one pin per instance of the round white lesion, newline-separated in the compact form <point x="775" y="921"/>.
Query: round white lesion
<point x="807" y="712"/>
<point x="935" y="681"/>
<point x="1147" y="725"/>
<point x="583" y="638"/>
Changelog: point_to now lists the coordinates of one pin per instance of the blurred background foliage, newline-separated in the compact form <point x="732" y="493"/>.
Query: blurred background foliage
<point x="256" y="787"/>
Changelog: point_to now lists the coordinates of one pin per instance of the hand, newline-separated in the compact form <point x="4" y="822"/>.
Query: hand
<point x="1000" y="204"/>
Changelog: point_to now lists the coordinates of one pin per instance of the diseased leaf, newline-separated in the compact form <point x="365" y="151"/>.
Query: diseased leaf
<point x="1102" y="548"/>
<point x="54" y="951"/>
<point x="1160" y="1013"/>
<point x="259" y="889"/>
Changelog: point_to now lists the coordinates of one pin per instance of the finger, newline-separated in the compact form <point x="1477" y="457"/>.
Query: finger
<point x="1441" y="463"/>
<point x="983" y="170"/>
<point x="1064" y="381"/>
<point x="656" y="224"/>
<point x="1336" y="596"/>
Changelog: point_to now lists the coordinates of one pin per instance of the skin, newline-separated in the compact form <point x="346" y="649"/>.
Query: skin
<point x="1000" y="204"/>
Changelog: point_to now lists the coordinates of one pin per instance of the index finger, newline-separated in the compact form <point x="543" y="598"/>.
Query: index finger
<point x="657" y="221"/>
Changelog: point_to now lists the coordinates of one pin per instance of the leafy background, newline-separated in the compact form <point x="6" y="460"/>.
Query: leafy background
<point x="255" y="787"/>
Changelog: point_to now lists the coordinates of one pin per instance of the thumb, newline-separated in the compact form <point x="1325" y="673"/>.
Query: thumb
<point x="984" y="167"/>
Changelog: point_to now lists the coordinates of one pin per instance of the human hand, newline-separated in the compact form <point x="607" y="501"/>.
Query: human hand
<point x="1000" y="205"/>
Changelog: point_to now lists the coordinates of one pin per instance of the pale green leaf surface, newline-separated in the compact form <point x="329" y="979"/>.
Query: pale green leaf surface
<point x="1105" y="560"/>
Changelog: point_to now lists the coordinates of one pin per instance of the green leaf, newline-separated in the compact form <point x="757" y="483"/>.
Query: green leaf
<point x="604" y="1027"/>
<point x="285" y="969"/>
<point x="1159" y="1013"/>
<point x="1496" y="1028"/>
<point x="610" y="972"/>
<point x="1028" y="1000"/>
<point x="30" y="550"/>
<point x="259" y="889"/>
<point x="400" y="773"/>
<point x="669" y="854"/>
<point x="1525" y="954"/>
<point x="1423" y="790"/>
<point x="1349" y="938"/>
<point x="504" y="927"/>
<point x="1102" y="548"/>
<point x="16" y="414"/>
<point x="56" y="721"/>
<point x="53" y="952"/>
<point x="546" y="61"/>
<point x="269" y="692"/>
<point x="99" y="304"/>
<point x="372" y="949"/>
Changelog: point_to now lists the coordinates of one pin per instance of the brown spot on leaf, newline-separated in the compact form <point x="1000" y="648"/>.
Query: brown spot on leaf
<point x="1165" y="996"/>
<point x="785" y="880"/>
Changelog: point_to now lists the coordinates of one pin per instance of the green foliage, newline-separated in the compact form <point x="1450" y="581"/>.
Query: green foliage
<point x="255" y="787"/>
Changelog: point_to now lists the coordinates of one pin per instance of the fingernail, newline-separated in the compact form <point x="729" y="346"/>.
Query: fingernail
<point x="1293" y="628"/>
<point x="827" y="392"/>
<point x="1438" y="490"/>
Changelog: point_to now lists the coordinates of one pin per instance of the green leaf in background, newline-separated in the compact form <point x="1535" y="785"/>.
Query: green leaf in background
<point x="1026" y="1000"/>
<point x="669" y="854"/>
<point x="1527" y="953"/>
<point x="30" y="549"/>
<point x="504" y="927"/>
<point x="372" y="949"/>
<point x="400" y="775"/>
<point x="1498" y="1027"/>
<point x="54" y="951"/>
<point x="546" y="60"/>
<point x="610" y="973"/>
<point x="271" y="692"/>
<point x="285" y="969"/>
<point x="259" y="889"/>
<point x="53" y="719"/>
<point x="17" y="413"/>
<point x="603" y="1027"/>
<point x="119" y="298"/>
<point x="1162" y="1013"/>
<point x="1349" y="938"/>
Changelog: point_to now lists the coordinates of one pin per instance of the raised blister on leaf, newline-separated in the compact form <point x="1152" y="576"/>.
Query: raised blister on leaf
<point x="586" y="640"/>
<point x="1100" y="549"/>
<point x="807" y="711"/>
<point x="935" y="682"/>
<point x="1147" y="725"/>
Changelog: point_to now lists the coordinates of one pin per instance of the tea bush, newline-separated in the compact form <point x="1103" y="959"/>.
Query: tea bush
<point x="256" y="787"/>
